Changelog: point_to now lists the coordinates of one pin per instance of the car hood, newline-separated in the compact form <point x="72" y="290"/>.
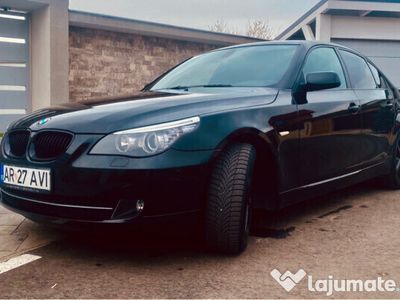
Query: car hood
<point x="107" y="115"/>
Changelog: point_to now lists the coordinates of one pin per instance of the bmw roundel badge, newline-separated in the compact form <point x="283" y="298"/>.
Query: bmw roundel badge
<point x="42" y="121"/>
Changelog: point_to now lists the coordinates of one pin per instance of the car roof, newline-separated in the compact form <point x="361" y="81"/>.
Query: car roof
<point x="305" y="44"/>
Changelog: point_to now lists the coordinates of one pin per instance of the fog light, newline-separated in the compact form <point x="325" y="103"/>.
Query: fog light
<point x="139" y="205"/>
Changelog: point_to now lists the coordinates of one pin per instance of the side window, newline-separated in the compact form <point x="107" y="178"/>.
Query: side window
<point x="376" y="75"/>
<point x="360" y="74"/>
<point x="324" y="60"/>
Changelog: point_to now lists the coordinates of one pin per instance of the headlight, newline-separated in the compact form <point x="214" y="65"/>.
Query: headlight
<point x="145" y="141"/>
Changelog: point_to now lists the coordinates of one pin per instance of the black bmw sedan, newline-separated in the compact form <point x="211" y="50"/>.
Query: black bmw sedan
<point x="247" y="128"/>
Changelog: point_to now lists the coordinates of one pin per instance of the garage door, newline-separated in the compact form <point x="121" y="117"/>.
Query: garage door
<point x="14" y="64"/>
<point x="385" y="54"/>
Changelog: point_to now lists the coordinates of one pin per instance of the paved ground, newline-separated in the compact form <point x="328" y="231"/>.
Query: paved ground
<point x="18" y="235"/>
<point x="351" y="234"/>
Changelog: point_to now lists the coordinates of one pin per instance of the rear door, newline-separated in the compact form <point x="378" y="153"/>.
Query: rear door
<point x="330" y="123"/>
<point x="377" y="108"/>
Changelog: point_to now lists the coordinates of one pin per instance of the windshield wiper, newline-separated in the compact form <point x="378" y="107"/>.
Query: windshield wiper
<point x="216" y="85"/>
<point x="182" y="87"/>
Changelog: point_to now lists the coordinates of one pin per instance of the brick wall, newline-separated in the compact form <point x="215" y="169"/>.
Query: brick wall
<point x="104" y="63"/>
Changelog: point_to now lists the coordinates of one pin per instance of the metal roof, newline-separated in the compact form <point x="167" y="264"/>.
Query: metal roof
<point x="118" y="24"/>
<point x="306" y="44"/>
<point x="359" y="8"/>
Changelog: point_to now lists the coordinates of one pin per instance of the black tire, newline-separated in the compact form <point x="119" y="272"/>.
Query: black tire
<point x="227" y="219"/>
<point x="392" y="180"/>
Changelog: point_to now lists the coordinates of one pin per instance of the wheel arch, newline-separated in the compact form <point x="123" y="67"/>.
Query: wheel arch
<point x="266" y="174"/>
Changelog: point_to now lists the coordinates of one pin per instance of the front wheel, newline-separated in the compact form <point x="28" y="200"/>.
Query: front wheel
<point x="229" y="195"/>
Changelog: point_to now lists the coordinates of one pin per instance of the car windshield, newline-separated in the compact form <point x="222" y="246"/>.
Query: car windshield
<point x="249" y="66"/>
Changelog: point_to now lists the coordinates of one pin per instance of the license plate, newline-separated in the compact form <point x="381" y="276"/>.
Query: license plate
<point x="38" y="179"/>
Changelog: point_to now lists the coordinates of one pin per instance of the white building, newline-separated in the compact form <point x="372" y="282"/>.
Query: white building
<point x="371" y="27"/>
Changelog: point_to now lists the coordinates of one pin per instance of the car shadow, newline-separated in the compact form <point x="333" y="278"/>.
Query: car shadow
<point x="181" y="240"/>
<point x="281" y="224"/>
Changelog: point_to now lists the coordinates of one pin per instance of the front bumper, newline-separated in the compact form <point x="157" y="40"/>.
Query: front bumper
<point x="109" y="197"/>
<point x="105" y="189"/>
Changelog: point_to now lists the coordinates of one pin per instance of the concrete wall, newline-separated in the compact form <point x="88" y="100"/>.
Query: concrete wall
<point x="330" y="27"/>
<point x="49" y="53"/>
<point x="369" y="28"/>
<point x="104" y="63"/>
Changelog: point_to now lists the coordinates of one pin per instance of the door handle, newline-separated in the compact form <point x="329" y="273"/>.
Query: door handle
<point x="353" y="107"/>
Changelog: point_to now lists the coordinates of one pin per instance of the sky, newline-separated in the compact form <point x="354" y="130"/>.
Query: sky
<point x="202" y="13"/>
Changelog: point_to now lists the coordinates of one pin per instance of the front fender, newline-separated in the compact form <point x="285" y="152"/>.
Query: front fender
<point x="217" y="128"/>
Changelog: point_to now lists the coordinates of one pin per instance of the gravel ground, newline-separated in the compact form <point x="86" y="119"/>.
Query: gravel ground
<point x="350" y="234"/>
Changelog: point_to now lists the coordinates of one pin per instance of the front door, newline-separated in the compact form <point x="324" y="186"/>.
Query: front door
<point x="330" y="127"/>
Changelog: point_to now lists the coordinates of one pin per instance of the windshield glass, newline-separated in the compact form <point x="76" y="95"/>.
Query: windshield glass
<point x="253" y="66"/>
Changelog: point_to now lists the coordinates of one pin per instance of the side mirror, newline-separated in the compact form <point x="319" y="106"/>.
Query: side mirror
<point x="321" y="81"/>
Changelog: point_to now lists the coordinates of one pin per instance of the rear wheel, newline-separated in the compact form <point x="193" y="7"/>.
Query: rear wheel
<point x="392" y="180"/>
<point x="229" y="197"/>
